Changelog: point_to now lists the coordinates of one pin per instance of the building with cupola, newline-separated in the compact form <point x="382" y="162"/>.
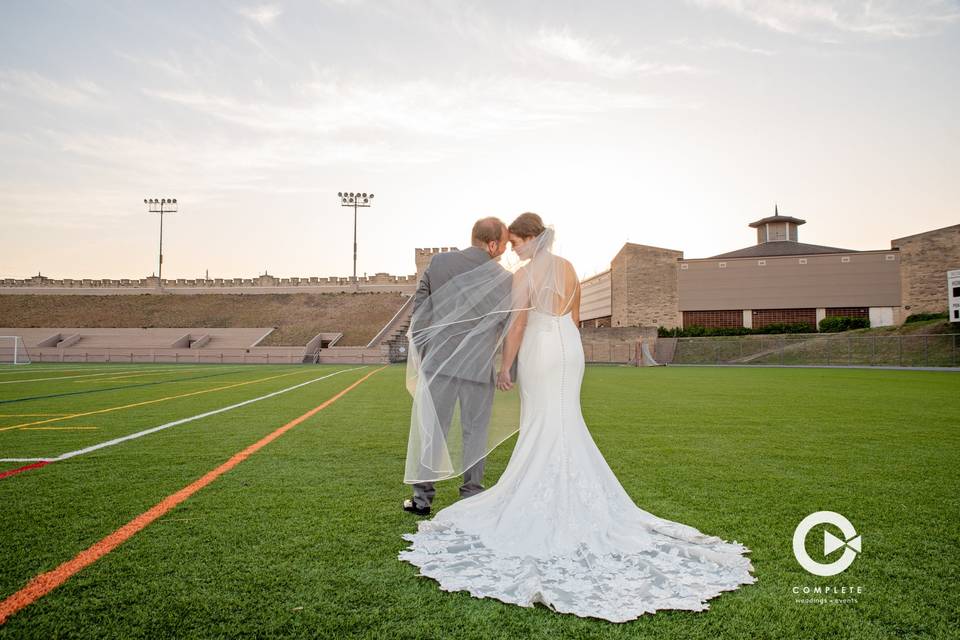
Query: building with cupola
<point x="776" y="280"/>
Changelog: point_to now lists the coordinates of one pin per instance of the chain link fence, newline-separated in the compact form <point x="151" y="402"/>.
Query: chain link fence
<point x="941" y="350"/>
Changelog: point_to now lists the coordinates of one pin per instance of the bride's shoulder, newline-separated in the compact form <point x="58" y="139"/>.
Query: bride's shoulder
<point x="567" y="265"/>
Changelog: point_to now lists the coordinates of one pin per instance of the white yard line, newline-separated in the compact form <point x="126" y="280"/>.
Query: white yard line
<point x="85" y="375"/>
<point x="145" y="432"/>
<point x="93" y="366"/>
<point x="31" y="369"/>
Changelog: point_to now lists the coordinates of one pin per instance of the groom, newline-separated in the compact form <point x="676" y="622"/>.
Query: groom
<point x="474" y="389"/>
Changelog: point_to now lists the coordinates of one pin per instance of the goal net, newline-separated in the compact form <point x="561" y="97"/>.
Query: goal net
<point x="645" y="358"/>
<point x="13" y="351"/>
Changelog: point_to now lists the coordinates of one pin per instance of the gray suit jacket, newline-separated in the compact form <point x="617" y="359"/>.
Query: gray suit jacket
<point x="442" y="268"/>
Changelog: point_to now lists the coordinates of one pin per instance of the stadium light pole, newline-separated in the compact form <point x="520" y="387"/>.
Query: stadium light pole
<point x="354" y="199"/>
<point x="161" y="206"/>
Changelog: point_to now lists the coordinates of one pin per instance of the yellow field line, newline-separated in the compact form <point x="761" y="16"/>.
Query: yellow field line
<point x="134" y="375"/>
<point x="57" y="428"/>
<point x="86" y="375"/>
<point x="140" y="404"/>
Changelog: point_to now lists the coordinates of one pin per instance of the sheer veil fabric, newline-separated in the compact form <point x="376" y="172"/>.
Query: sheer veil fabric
<point x="557" y="528"/>
<point x="458" y="332"/>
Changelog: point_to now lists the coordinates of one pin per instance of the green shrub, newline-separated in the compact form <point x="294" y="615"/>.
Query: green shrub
<point x="919" y="317"/>
<point x="787" y="327"/>
<point x="697" y="331"/>
<point x="834" y="324"/>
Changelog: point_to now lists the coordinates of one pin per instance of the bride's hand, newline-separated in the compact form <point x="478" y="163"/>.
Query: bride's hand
<point x="504" y="383"/>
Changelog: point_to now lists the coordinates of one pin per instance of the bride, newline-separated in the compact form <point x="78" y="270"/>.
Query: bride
<point x="558" y="528"/>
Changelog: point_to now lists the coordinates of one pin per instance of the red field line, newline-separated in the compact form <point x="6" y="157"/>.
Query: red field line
<point x="44" y="583"/>
<point x="11" y="472"/>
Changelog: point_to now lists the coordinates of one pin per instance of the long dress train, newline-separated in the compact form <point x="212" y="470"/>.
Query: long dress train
<point x="558" y="528"/>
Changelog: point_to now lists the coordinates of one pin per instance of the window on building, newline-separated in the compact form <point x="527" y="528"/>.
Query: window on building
<point x="850" y="312"/>
<point x="719" y="318"/>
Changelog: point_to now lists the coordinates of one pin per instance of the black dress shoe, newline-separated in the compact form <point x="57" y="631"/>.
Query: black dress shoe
<point x="411" y="506"/>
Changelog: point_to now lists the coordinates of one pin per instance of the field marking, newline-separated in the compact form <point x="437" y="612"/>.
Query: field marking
<point x="35" y="465"/>
<point x="57" y="428"/>
<point x="85" y="375"/>
<point x="44" y="583"/>
<point x="60" y="369"/>
<point x="138" y="404"/>
<point x="138" y="374"/>
<point x="174" y="423"/>
<point x="224" y="372"/>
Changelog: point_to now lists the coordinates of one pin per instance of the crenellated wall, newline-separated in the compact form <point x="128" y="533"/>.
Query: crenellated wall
<point x="424" y="256"/>
<point x="264" y="283"/>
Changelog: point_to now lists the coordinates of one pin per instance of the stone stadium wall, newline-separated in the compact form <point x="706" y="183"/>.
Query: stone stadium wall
<point x="381" y="282"/>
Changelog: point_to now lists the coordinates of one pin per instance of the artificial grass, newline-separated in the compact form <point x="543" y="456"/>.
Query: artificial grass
<point x="301" y="539"/>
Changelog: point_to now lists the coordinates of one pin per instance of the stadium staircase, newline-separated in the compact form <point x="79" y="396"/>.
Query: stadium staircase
<point x="394" y="334"/>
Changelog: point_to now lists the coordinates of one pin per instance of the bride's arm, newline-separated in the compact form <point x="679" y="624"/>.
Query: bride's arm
<point x="511" y="345"/>
<point x="519" y="302"/>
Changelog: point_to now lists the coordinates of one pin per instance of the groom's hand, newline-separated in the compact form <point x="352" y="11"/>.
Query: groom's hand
<point x="504" y="382"/>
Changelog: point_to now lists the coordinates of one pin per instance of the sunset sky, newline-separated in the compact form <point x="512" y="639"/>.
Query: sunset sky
<point x="672" y="124"/>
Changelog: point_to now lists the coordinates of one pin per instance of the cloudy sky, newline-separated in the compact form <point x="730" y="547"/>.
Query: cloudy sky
<point x="672" y="124"/>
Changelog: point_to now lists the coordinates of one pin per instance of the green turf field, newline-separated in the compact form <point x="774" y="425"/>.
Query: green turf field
<point x="301" y="538"/>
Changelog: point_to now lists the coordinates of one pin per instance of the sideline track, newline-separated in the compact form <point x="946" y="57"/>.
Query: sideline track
<point x="44" y="583"/>
<point x="36" y="463"/>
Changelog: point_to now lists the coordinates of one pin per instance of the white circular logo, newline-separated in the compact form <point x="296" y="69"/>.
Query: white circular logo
<point x="850" y="545"/>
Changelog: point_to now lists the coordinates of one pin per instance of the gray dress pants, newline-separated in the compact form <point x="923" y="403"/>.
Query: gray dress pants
<point x="476" y="401"/>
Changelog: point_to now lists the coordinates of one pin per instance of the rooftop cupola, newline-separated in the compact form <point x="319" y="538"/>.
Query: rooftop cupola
<point x="777" y="227"/>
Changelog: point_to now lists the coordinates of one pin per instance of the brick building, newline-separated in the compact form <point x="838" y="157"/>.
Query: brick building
<point x="778" y="279"/>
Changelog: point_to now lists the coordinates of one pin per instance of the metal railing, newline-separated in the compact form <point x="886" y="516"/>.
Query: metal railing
<point x="939" y="350"/>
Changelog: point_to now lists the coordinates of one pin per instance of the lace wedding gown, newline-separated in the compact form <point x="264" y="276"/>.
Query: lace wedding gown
<point x="558" y="527"/>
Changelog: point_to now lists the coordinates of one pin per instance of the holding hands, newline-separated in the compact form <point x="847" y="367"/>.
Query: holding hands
<point x="504" y="382"/>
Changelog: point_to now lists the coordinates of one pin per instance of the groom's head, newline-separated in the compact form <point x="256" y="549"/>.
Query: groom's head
<point x="491" y="235"/>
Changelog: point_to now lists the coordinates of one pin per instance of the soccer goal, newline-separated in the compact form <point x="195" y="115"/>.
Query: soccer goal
<point x="13" y="351"/>
<point x="644" y="357"/>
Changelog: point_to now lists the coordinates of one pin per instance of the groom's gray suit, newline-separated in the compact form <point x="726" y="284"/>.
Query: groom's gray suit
<point x="473" y="383"/>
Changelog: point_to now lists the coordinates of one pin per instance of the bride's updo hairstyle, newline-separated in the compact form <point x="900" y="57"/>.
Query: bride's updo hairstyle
<point x="527" y="225"/>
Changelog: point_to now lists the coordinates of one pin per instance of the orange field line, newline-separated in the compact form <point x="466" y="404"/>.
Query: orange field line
<point x="138" y="404"/>
<point x="47" y="582"/>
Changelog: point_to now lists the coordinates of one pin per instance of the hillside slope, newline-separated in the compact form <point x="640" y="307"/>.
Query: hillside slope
<point x="297" y="316"/>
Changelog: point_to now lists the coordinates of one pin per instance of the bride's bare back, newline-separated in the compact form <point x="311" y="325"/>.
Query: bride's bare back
<point x="551" y="286"/>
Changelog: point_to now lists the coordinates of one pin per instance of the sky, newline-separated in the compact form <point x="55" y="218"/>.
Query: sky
<point x="672" y="124"/>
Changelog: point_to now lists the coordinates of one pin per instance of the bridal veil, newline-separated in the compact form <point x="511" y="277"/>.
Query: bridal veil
<point x="458" y="332"/>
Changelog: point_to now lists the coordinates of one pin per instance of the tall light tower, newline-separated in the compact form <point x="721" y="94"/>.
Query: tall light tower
<point x="354" y="200"/>
<point x="161" y="206"/>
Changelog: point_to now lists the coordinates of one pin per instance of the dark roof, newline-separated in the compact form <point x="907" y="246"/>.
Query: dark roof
<point x="781" y="248"/>
<point x="777" y="218"/>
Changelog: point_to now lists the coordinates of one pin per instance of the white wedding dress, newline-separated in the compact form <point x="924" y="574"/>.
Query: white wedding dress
<point x="558" y="527"/>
